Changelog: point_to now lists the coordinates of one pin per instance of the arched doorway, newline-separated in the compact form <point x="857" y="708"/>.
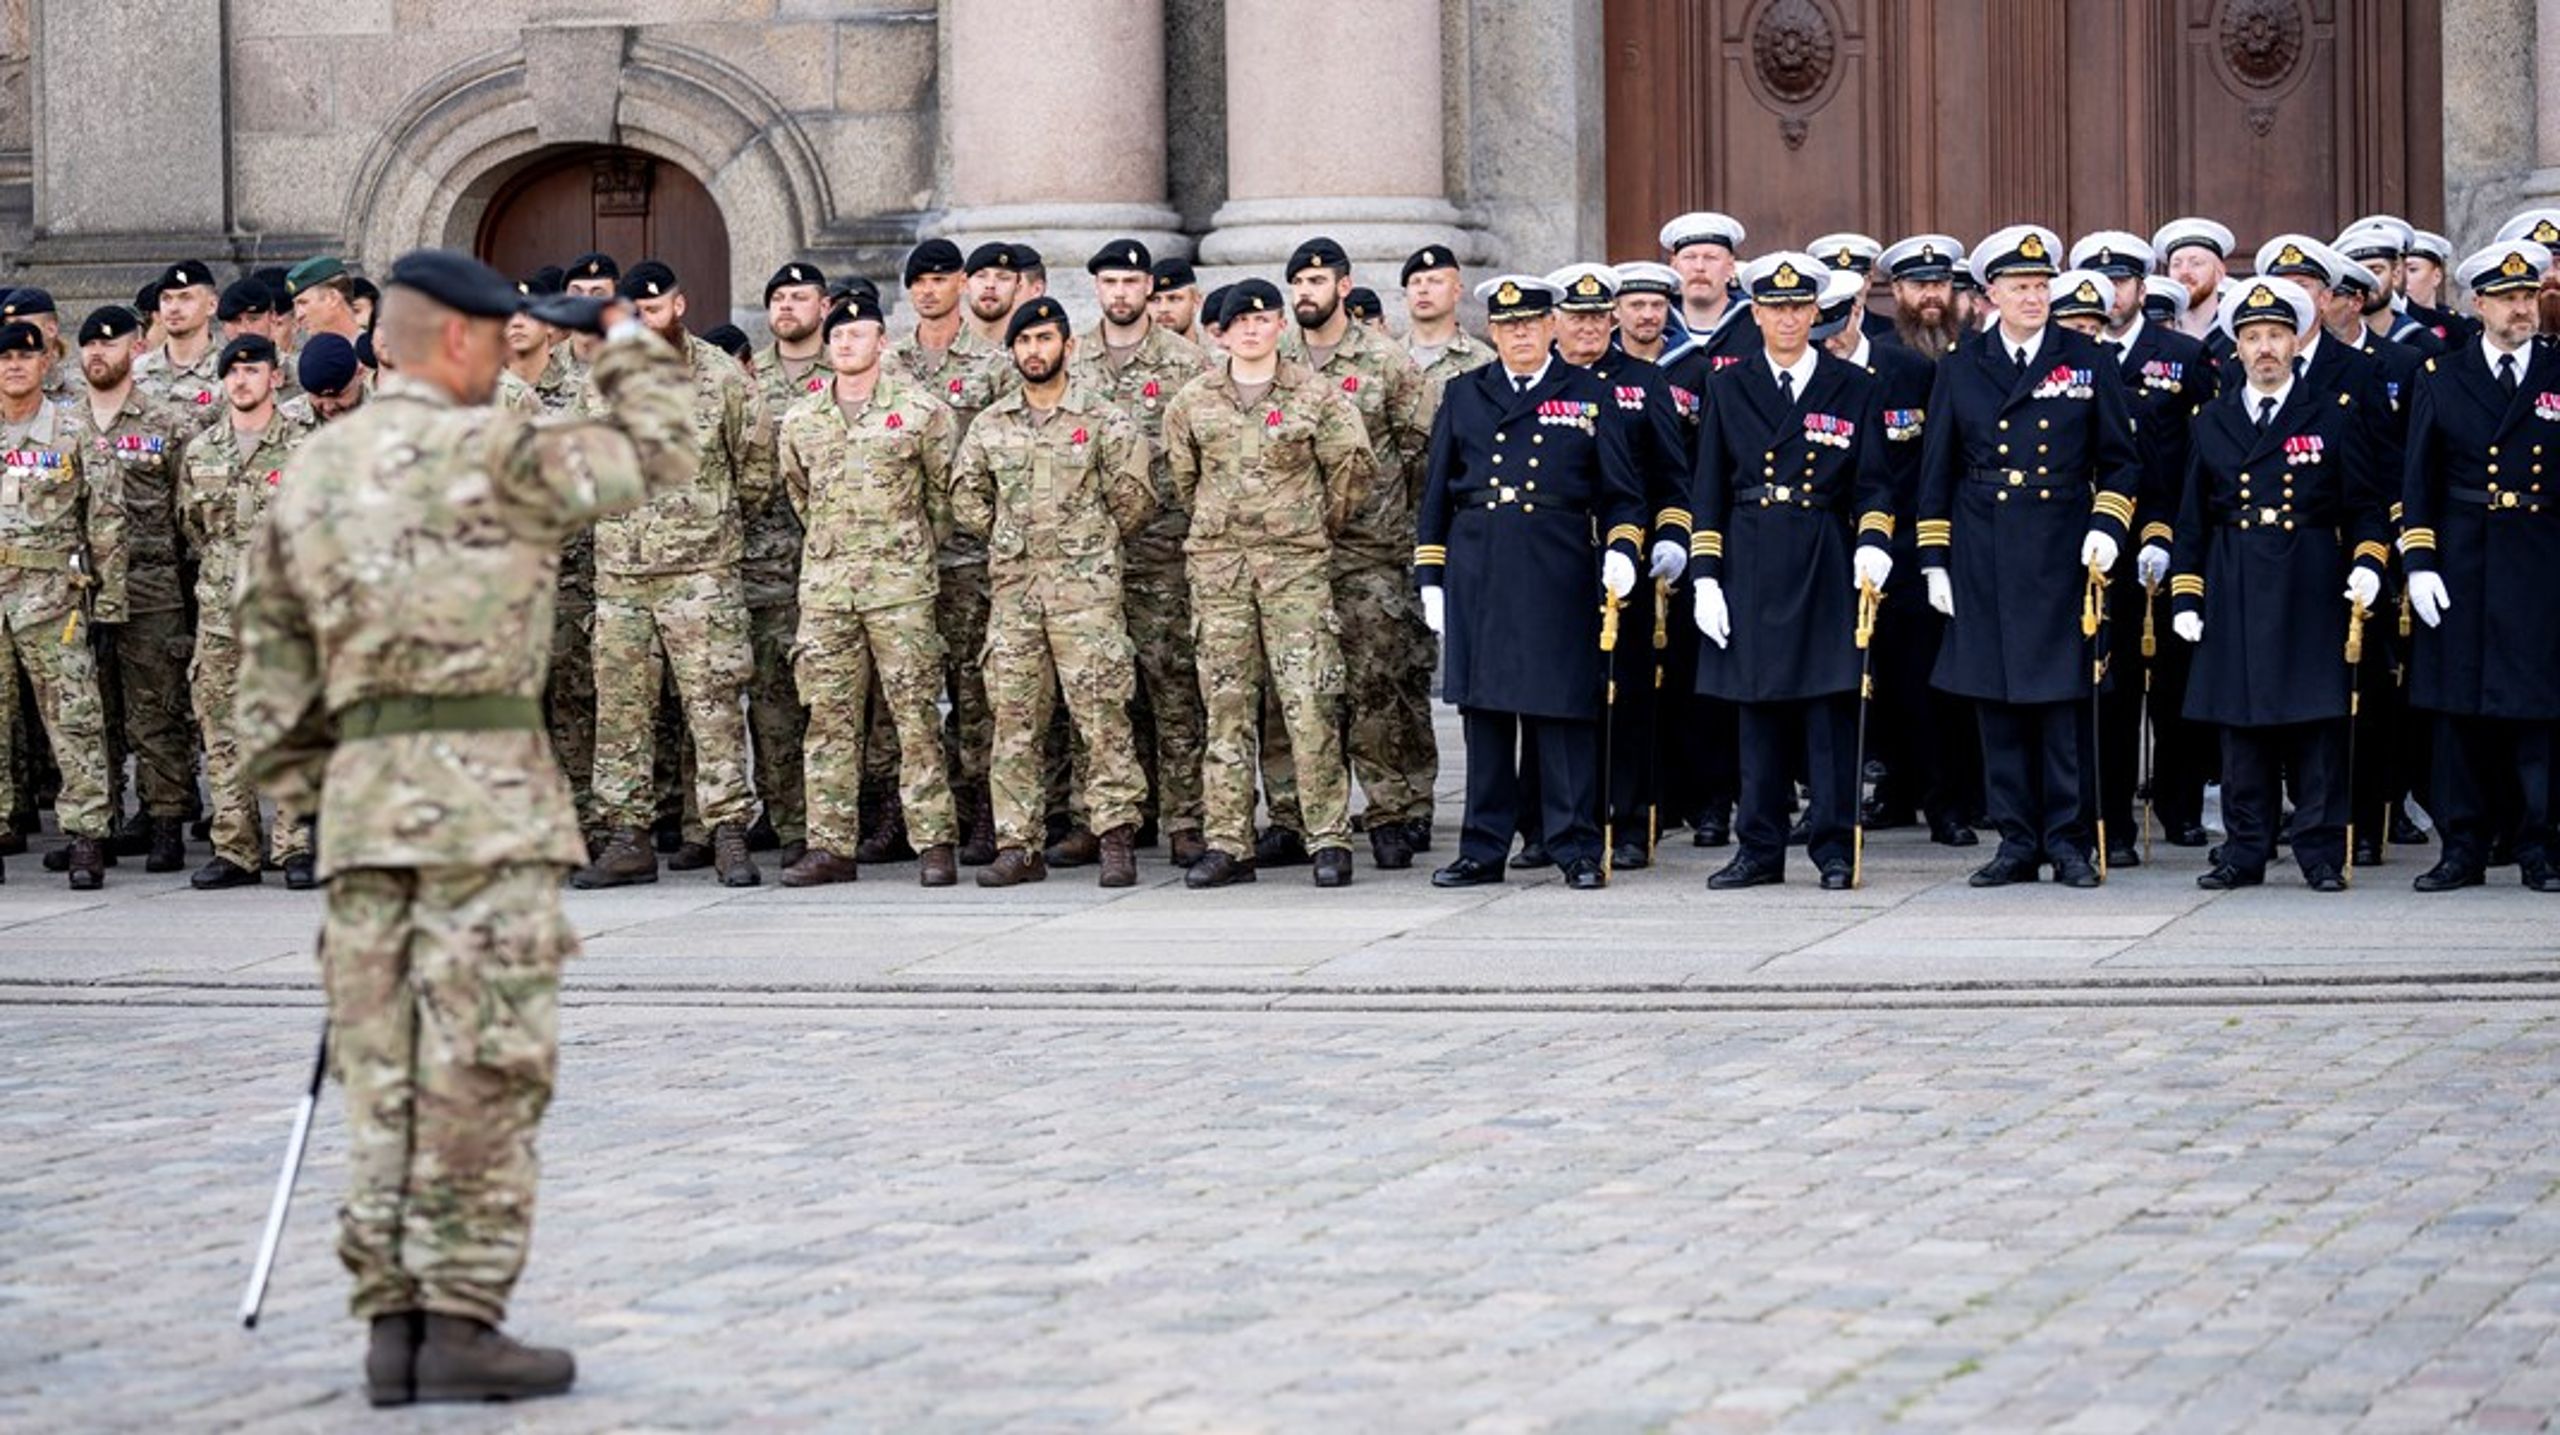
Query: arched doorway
<point x="620" y="202"/>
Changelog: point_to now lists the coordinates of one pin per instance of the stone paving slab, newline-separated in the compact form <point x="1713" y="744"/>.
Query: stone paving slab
<point x="2341" y="1219"/>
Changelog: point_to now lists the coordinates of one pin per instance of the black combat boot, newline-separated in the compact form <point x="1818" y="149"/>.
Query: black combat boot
<point x="390" y="1377"/>
<point x="464" y="1359"/>
<point x="978" y="827"/>
<point x="86" y="860"/>
<point x="884" y="830"/>
<point x="168" y="845"/>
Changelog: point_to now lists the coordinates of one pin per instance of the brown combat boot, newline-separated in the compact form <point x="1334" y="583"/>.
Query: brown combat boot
<point x="978" y="829"/>
<point x="464" y="1359"/>
<point x="884" y="831"/>
<point x="1013" y="867"/>
<point x="939" y="868"/>
<point x="628" y="858"/>
<point x="1188" y="846"/>
<point x="729" y="854"/>
<point x="689" y="857"/>
<point x="1120" y="857"/>
<point x="818" y="867"/>
<point x="168" y="845"/>
<point x="389" y="1376"/>
<point x="87" y="864"/>
<point x="1079" y="848"/>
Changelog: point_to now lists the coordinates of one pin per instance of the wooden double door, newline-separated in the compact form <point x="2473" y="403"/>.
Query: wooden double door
<point x="611" y="200"/>
<point x="1894" y="117"/>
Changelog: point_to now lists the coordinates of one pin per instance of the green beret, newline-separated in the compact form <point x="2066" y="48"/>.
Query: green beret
<point x="313" y="271"/>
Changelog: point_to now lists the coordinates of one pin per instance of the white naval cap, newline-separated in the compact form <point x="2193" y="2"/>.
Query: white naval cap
<point x="2160" y="289"/>
<point x="1922" y="257"/>
<point x="2303" y="255"/>
<point x="2116" y="253"/>
<point x="2075" y="292"/>
<point x="2506" y="265"/>
<point x="2258" y="300"/>
<point x="1846" y="250"/>
<point x="1703" y="226"/>
<point x="1585" y="286"/>
<point x="2029" y="249"/>
<point x="1645" y="276"/>
<point x="2192" y="229"/>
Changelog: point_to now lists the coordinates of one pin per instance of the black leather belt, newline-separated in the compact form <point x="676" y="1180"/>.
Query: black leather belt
<point x="2503" y="498"/>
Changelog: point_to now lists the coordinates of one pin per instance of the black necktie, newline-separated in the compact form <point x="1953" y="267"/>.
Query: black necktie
<point x="2507" y="372"/>
<point x="2019" y="357"/>
<point x="1787" y="386"/>
<point x="1520" y="383"/>
<point x="2266" y="411"/>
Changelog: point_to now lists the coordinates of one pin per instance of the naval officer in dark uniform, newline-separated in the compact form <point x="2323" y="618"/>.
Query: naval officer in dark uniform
<point x="1794" y="513"/>
<point x="2282" y="505"/>
<point x="2480" y="495"/>
<point x="2028" y="481"/>
<point x="1531" y="509"/>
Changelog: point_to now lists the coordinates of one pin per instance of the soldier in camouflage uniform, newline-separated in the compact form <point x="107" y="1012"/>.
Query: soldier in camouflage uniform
<point x="791" y="368"/>
<point x="953" y="364"/>
<point x="867" y="461"/>
<point x="1140" y="365"/>
<point x="62" y="567"/>
<point x="231" y="474"/>
<point x="1387" y="653"/>
<point x="140" y="438"/>
<point x="181" y="369"/>
<point x="1270" y="461"/>
<point x="393" y="621"/>
<point x="569" y="696"/>
<point x="1433" y="285"/>
<point x="1055" y="479"/>
<point x="668" y="598"/>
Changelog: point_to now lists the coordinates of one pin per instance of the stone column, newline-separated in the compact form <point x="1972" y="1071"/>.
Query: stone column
<point x="1318" y="144"/>
<point x="1055" y="116"/>
<point x="2542" y="186"/>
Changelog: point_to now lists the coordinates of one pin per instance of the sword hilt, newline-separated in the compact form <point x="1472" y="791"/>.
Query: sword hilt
<point x="1610" y="603"/>
<point x="1870" y="600"/>
<point x="2355" y="633"/>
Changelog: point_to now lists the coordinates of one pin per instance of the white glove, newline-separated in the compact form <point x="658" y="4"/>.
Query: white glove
<point x="2151" y="565"/>
<point x="2427" y="595"/>
<point x="2364" y="587"/>
<point x="2098" y="551"/>
<point x="1714" y="619"/>
<point x="1670" y="560"/>
<point x="1435" y="608"/>
<point x="2189" y="626"/>
<point x="1872" y="565"/>
<point x="1942" y="590"/>
<point x="1618" y="573"/>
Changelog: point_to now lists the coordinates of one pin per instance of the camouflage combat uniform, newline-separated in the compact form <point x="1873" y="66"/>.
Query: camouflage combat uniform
<point x="668" y="597"/>
<point x="224" y="496"/>
<point x="1155" y="591"/>
<point x="398" y="598"/>
<point x="1463" y="353"/>
<point x="55" y="503"/>
<point x="874" y="490"/>
<point x="1267" y="485"/>
<point x="569" y="693"/>
<point x="1055" y="498"/>
<point x="191" y="388"/>
<point x="143" y="675"/>
<point x="962" y="377"/>
<point x="1387" y="653"/>
<point x="777" y="717"/>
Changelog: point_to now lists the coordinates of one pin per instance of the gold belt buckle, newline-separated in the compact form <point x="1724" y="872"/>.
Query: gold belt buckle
<point x="2017" y="478"/>
<point x="2268" y="515"/>
<point x="2507" y="499"/>
<point x="1510" y="494"/>
<point x="1782" y="493"/>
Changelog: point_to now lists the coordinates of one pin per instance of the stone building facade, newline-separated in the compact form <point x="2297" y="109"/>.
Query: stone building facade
<point x="133" y="132"/>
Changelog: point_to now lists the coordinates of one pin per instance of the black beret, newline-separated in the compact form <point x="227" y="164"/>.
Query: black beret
<point x="21" y="338"/>
<point x="860" y="306"/>
<point x="247" y="349"/>
<point x="1428" y="257"/>
<point x="1043" y="310"/>
<point x="457" y="281"/>
<point x="648" y="279"/>
<point x="851" y="285"/>
<point x="549" y="279"/>
<point x="243" y="297"/>
<point x="592" y="266"/>
<point x="793" y="273"/>
<point x="1173" y="273"/>
<point x="146" y="300"/>
<point x="1251" y="296"/>
<point x="328" y="361"/>
<point x="994" y="254"/>
<point x="728" y="339"/>
<point x="363" y="288"/>
<point x="273" y="277"/>
<point x="934" y="256"/>
<point x="364" y="351"/>
<point x="1026" y="258"/>
<point x="1363" y="304"/>
<point x="1121" y="255"/>
<point x="1213" y="307"/>
<point x="26" y="303"/>
<point x="186" y="274"/>
<point x="112" y="322"/>
<point x="1317" y="253"/>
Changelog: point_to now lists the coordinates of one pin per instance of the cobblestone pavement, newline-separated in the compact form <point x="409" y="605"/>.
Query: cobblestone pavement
<point x="2269" y="1219"/>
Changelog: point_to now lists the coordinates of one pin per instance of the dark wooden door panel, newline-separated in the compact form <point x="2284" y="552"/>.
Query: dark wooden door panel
<point x="619" y="202"/>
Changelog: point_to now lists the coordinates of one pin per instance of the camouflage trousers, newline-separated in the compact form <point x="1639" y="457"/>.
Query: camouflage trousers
<point x="1038" y="646"/>
<point x="65" y="678"/>
<point x="1158" y="598"/>
<point x="1387" y="657"/>
<point x="143" y="683"/>
<point x="840" y="656"/>
<point x="693" y="625"/>
<point x="777" y="722"/>
<point x="569" y="701"/>
<point x="961" y="611"/>
<point x="1266" y="625"/>
<point x="216" y="679"/>
<point x="444" y="1025"/>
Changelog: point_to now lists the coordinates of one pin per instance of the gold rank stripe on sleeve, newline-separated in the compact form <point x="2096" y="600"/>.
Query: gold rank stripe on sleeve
<point x="2418" y="538"/>
<point x="1674" y="518"/>
<point x="1427" y="554"/>
<point x="1874" y="522"/>
<point x="2375" y="551"/>
<point x="2185" y="585"/>
<point x="1937" y="532"/>
<point x="2157" y="533"/>
<point x="2116" y="506"/>
<point x="2395" y="510"/>
<point x="1629" y="532"/>
<point x="1706" y="543"/>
